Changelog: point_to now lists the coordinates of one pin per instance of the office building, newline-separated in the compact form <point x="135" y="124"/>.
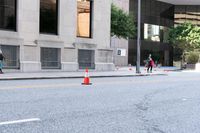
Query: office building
<point x="66" y="35"/>
<point x="157" y="16"/>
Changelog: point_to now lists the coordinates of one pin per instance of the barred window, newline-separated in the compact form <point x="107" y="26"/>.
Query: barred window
<point x="86" y="59"/>
<point x="11" y="54"/>
<point x="50" y="58"/>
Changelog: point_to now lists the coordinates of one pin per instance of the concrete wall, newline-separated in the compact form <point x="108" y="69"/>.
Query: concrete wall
<point x="30" y="40"/>
<point x="120" y="43"/>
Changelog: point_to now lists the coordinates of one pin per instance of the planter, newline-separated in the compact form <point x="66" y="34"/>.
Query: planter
<point x="190" y="66"/>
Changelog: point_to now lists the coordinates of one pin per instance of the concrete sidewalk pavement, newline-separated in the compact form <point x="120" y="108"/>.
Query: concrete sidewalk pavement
<point x="119" y="72"/>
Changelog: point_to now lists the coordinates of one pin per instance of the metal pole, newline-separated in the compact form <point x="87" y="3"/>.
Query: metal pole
<point x="138" y="37"/>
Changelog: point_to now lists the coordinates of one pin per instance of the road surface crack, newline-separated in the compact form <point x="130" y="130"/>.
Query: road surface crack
<point x="142" y="109"/>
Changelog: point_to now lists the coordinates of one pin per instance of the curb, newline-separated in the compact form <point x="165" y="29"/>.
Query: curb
<point x="76" y="77"/>
<point x="177" y="70"/>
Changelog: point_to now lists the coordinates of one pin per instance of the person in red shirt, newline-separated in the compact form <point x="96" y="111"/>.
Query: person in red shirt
<point x="150" y="64"/>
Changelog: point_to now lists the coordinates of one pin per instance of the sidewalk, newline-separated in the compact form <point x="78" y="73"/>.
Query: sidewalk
<point x="119" y="72"/>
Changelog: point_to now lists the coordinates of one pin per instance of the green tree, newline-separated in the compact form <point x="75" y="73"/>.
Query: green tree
<point x="185" y="38"/>
<point x="178" y="35"/>
<point x="193" y="38"/>
<point x="122" y="23"/>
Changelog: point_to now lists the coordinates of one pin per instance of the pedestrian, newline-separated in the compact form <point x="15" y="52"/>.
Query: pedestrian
<point x="1" y="61"/>
<point x="150" y="64"/>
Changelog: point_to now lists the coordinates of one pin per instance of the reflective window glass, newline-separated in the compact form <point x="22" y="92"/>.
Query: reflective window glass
<point x="8" y="14"/>
<point x="156" y="33"/>
<point x="164" y="34"/>
<point x="84" y="18"/>
<point x="48" y="16"/>
<point x="152" y="32"/>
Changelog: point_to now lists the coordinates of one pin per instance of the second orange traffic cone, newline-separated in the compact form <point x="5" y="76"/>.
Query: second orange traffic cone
<point x="86" y="80"/>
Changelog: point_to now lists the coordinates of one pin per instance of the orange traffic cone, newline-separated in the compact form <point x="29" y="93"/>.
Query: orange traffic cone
<point x="86" y="80"/>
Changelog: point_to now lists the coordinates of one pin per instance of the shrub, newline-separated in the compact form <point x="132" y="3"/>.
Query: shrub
<point x="192" y="57"/>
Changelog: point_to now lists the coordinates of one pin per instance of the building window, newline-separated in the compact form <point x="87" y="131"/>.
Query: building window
<point x="156" y="33"/>
<point x="84" y="13"/>
<point x="50" y="58"/>
<point x="8" y="15"/>
<point x="11" y="54"/>
<point x="164" y="34"/>
<point x="86" y="59"/>
<point x="152" y="32"/>
<point x="49" y="16"/>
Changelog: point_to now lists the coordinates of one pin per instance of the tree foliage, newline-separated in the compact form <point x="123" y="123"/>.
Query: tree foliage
<point x="122" y="23"/>
<point x="186" y="37"/>
<point x="193" y="38"/>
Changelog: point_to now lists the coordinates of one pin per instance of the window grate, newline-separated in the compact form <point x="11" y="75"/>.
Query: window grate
<point x="86" y="59"/>
<point x="11" y="54"/>
<point x="50" y="58"/>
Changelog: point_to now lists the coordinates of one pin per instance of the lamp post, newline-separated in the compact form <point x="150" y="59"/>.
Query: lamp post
<point x="138" y="37"/>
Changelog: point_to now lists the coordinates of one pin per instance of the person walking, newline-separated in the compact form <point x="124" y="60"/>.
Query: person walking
<point x="1" y="61"/>
<point x="150" y="64"/>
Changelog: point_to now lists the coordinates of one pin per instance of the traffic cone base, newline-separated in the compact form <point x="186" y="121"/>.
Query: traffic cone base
<point x="86" y="80"/>
<point x="87" y="84"/>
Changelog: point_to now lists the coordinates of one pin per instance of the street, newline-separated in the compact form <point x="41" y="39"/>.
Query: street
<point x="143" y="104"/>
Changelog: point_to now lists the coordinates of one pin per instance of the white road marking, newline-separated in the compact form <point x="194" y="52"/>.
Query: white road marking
<point x="19" y="121"/>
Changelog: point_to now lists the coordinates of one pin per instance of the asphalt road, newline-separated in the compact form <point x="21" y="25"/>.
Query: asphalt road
<point x="152" y="104"/>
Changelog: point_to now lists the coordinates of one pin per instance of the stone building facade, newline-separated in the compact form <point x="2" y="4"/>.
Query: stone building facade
<point x="120" y="46"/>
<point x="66" y="35"/>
